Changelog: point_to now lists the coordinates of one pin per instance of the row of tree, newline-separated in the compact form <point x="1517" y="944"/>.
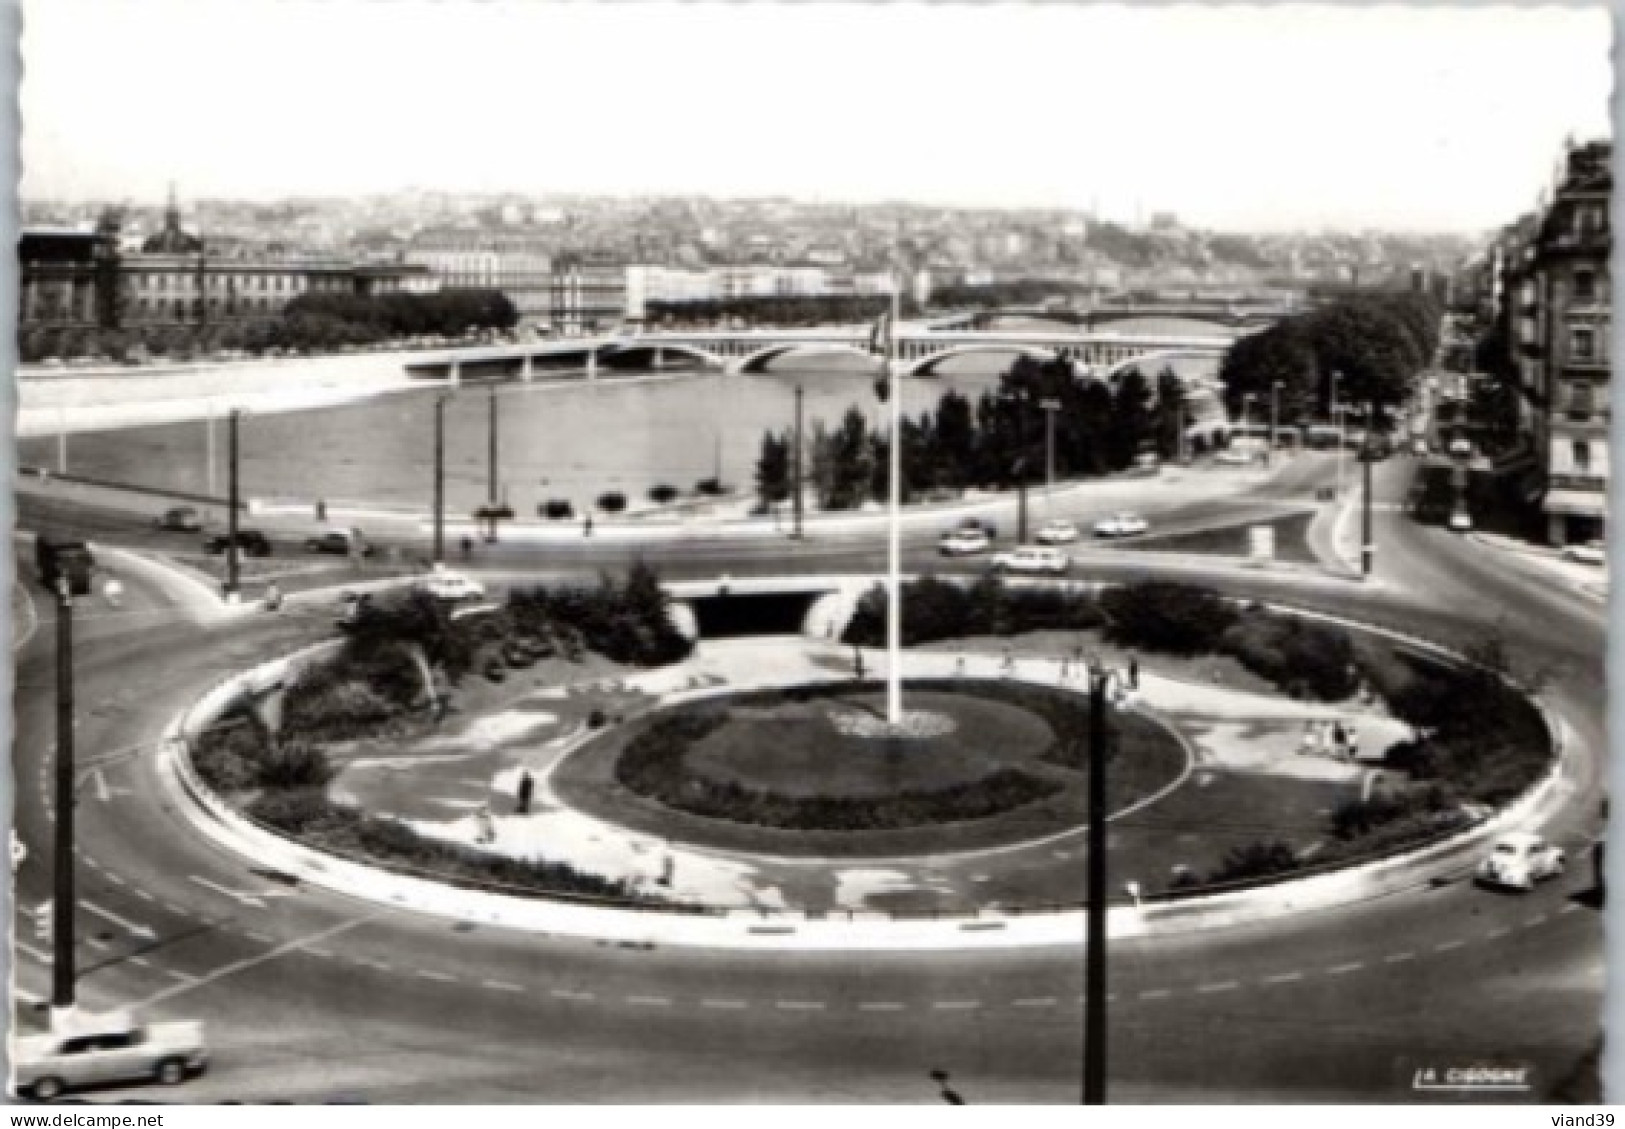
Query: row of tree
<point x="1370" y="345"/>
<point x="997" y="442"/>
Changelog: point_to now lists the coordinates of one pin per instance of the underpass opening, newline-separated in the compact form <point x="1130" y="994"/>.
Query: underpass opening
<point x="746" y="615"/>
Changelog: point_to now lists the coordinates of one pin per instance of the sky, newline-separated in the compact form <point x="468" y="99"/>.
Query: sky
<point x="1238" y="118"/>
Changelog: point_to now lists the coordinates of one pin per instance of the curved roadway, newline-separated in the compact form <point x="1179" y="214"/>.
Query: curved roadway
<point x="312" y="997"/>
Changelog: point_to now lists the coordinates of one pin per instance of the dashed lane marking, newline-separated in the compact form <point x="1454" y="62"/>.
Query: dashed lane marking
<point x="262" y="938"/>
<point x="431" y="974"/>
<point x="1221" y="986"/>
<point x="183" y="977"/>
<point x="1396" y="958"/>
<point x="95" y="942"/>
<point x="567" y="994"/>
<point x="799" y="1005"/>
<point x="251" y="962"/>
<point x="880" y="1005"/>
<point x="956" y="1005"/>
<point x="1538" y="919"/>
<point x="1446" y="946"/>
<point x="648" y="1001"/>
<point x="143" y="895"/>
<point x="725" y="1005"/>
<point x="142" y="961"/>
<point x="1284" y="978"/>
<point x="1345" y="969"/>
<point x="324" y="953"/>
<point x="1155" y="994"/>
<point x="1036" y="1001"/>
<point x="1496" y="934"/>
<point x="1572" y="907"/>
<point x="501" y="986"/>
<point x="375" y="965"/>
<point x="114" y="878"/>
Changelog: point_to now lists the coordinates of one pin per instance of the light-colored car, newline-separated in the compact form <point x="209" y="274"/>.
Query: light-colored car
<point x="963" y="543"/>
<point x="1121" y="525"/>
<point x="105" y="1049"/>
<point x="1057" y="532"/>
<point x="1461" y="449"/>
<point x="1233" y="457"/>
<point x="1461" y="522"/>
<point x="454" y="587"/>
<point x="1041" y="559"/>
<point x="1518" y="860"/>
<point x="1589" y="552"/>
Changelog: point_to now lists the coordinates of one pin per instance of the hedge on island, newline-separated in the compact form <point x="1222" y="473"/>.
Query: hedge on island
<point x="309" y="816"/>
<point x="936" y="609"/>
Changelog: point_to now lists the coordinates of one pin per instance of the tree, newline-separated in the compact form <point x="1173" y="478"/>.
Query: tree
<point x="852" y="463"/>
<point x="953" y="442"/>
<point x="773" y="469"/>
<point x="1371" y="351"/>
<point x="1284" y="353"/>
<point x="1170" y="413"/>
<point x="1132" y="424"/>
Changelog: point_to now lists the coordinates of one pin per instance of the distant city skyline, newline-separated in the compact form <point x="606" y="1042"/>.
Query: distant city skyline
<point x="1279" y="119"/>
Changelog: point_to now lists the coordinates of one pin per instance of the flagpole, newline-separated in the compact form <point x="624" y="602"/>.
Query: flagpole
<point x="894" y="587"/>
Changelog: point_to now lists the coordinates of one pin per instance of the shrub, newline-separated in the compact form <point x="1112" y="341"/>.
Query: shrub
<point x="339" y="701"/>
<point x="595" y="719"/>
<point x="709" y="487"/>
<point x="228" y="757"/>
<point x="937" y="609"/>
<point x="613" y="502"/>
<point x="295" y="764"/>
<point x="1261" y="858"/>
<point x="557" y="509"/>
<point x="662" y="494"/>
<point x="1159" y="616"/>
<point x="1298" y="656"/>
<point x="299" y="812"/>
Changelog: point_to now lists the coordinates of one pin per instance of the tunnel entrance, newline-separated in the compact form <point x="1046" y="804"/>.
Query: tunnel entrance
<point x="735" y="617"/>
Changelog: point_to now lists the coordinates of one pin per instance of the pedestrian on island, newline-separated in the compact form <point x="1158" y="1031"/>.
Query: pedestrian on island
<point x="1066" y="668"/>
<point x="273" y="597"/>
<point x="1339" y="738"/>
<point x="586" y="526"/>
<point x="1008" y="666"/>
<point x="487" y="826"/>
<point x="321" y="510"/>
<point x="467" y="546"/>
<point x="959" y="666"/>
<point x="527" y="788"/>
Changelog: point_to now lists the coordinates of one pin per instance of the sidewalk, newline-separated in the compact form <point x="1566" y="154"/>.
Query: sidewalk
<point x="1590" y="581"/>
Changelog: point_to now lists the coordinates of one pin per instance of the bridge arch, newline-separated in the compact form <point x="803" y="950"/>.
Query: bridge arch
<point x="761" y="358"/>
<point x="657" y="351"/>
<point x="927" y="365"/>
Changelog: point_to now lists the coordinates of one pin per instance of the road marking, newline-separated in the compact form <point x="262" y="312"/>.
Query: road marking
<point x="1344" y="969"/>
<point x="956" y="1005"/>
<point x="1572" y="907"/>
<point x="123" y="923"/>
<point x="315" y="952"/>
<point x="375" y="965"/>
<point x="262" y="938"/>
<point x="1221" y="986"/>
<point x="183" y="977"/>
<point x="1155" y="994"/>
<point x="1446" y="946"/>
<point x="502" y="986"/>
<point x="96" y="942"/>
<point x="256" y="900"/>
<point x="799" y="1005"/>
<point x="734" y="1005"/>
<point x="1396" y="958"/>
<point x="431" y="974"/>
<point x="1036" y="1001"/>
<point x="1538" y="919"/>
<point x="143" y="895"/>
<point x="37" y="954"/>
<point x="251" y="962"/>
<point x="142" y="961"/>
<point x="566" y="994"/>
<point x="114" y="879"/>
<point x="880" y="1006"/>
<point x="1283" y="978"/>
<point x="648" y="1001"/>
<point x="1497" y="934"/>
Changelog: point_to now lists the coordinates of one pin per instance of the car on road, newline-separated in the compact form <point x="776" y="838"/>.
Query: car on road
<point x="1461" y="522"/>
<point x="963" y="543"/>
<point x="1461" y="449"/>
<point x="1419" y="447"/>
<point x="1233" y="457"/>
<point x="453" y="587"/>
<point x="344" y="542"/>
<point x="180" y="519"/>
<point x="1038" y="559"/>
<point x="1121" y="525"/>
<point x="1588" y="552"/>
<point x="1518" y="860"/>
<point x="105" y="1049"/>
<point x="249" y="541"/>
<point x="1057" y="532"/>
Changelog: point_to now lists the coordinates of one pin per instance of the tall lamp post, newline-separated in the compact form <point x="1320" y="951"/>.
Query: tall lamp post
<point x="1275" y="415"/>
<point x="1368" y="547"/>
<point x="440" y="477"/>
<point x="1106" y="688"/>
<point x="1050" y="406"/>
<point x="1336" y="412"/>
<point x="232" y="501"/>
<point x="62" y="966"/>
<point x="492" y="484"/>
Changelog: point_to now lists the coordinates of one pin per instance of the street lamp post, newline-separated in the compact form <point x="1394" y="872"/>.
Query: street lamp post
<point x="1336" y="412"/>
<point x="232" y="550"/>
<point x="62" y="966"/>
<point x="492" y="483"/>
<point x="1275" y="414"/>
<point x="1050" y="406"/>
<point x="1368" y="548"/>
<point x="795" y="471"/>
<point x="440" y="479"/>
<point x="1094" y="980"/>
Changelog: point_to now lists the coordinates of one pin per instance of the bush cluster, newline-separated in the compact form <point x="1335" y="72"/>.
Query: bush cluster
<point x="612" y="503"/>
<point x="239" y="755"/>
<point x="652" y="765"/>
<point x="936" y="609"/>
<point x="626" y="622"/>
<point x="1179" y="619"/>
<point x="1262" y="858"/>
<point x="557" y="509"/>
<point x="1304" y="659"/>
<point x="310" y="816"/>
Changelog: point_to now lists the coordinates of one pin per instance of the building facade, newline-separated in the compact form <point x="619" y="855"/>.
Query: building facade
<point x="587" y="293"/>
<point x="1556" y="294"/>
<point x="519" y="264"/>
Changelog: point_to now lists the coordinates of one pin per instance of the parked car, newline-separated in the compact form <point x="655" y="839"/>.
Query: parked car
<point x="963" y="543"/>
<point x="1039" y="559"/>
<point x="1518" y="860"/>
<point x="1589" y="552"/>
<point x="1057" y="532"/>
<point x="1461" y="522"/>
<point x="340" y="541"/>
<point x="443" y="584"/>
<point x="107" y="1048"/>
<point x="250" y="541"/>
<point x="1121" y="525"/>
<point x="179" y="519"/>
<point x="1461" y="449"/>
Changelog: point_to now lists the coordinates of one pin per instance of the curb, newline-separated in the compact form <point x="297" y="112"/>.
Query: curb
<point x="762" y="930"/>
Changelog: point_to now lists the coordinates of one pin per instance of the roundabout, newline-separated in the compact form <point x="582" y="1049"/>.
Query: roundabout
<point x="1338" y="1003"/>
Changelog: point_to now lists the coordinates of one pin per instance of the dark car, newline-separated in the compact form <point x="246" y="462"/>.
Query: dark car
<point x="249" y="541"/>
<point x="181" y="519"/>
<point x="340" y="541"/>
